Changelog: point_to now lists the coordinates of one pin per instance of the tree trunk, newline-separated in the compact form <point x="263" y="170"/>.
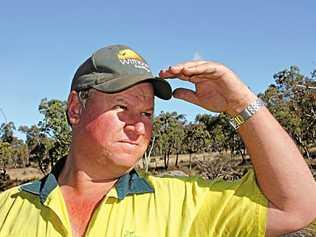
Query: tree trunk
<point x="40" y="165"/>
<point x="147" y="156"/>
<point x="165" y="160"/>
<point x="177" y="158"/>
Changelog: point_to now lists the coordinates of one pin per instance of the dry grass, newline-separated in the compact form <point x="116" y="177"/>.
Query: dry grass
<point x="24" y="173"/>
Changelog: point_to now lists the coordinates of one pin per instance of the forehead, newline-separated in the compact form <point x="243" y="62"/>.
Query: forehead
<point x="142" y="92"/>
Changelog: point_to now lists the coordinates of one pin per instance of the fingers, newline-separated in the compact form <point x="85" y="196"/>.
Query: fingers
<point x="191" y="69"/>
<point x="186" y="94"/>
<point x="170" y="75"/>
<point x="179" y="67"/>
<point x="174" y="71"/>
<point x="166" y="74"/>
<point x="201" y="69"/>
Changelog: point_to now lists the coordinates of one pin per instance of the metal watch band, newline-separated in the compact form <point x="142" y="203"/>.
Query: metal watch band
<point x="246" y="114"/>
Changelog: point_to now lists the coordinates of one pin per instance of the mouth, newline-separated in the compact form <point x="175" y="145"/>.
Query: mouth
<point x="129" y="142"/>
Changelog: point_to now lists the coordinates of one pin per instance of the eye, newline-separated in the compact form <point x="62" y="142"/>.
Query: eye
<point x="147" y="114"/>
<point x="122" y="107"/>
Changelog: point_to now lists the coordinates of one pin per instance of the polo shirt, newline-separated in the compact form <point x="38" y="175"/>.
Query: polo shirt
<point x="139" y="206"/>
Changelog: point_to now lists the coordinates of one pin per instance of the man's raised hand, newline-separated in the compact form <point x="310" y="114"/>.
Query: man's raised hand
<point x="217" y="88"/>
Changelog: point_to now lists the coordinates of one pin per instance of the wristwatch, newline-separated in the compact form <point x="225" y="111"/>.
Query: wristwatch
<point x="246" y="114"/>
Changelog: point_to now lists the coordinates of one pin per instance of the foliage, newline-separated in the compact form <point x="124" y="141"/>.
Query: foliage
<point x="293" y="102"/>
<point x="13" y="151"/>
<point x="6" y="132"/>
<point x="196" y="139"/>
<point x="6" y="153"/>
<point x="49" y="140"/>
<point x="38" y="144"/>
<point x="55" y="126"/>
<point x="168" y="132"/>
<point x="222" y="135"/>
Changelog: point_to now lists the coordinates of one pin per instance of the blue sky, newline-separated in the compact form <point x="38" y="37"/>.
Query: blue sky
<point x="43" y="42"/>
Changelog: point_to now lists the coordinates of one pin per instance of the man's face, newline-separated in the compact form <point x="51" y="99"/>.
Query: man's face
<point x="117" y="127"/>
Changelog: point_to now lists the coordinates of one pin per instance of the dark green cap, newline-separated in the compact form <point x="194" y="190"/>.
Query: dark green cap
<point x="116" y="68"/>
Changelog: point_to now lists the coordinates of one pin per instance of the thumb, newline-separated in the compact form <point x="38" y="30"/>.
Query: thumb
<point x="185" y="94"/>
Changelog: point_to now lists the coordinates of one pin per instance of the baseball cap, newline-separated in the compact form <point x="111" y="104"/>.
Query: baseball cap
<point x="115" y="68"/>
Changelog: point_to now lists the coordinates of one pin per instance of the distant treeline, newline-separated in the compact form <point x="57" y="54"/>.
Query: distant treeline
<point x="291" y="99"/>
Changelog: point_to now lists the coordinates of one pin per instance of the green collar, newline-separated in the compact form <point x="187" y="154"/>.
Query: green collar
<point x="128" y="184"/>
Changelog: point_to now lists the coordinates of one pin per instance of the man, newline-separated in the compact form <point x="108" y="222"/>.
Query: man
<point x="96" y="192"/>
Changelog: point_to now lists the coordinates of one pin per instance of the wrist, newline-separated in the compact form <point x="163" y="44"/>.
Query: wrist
<point x="241" y="104"/>
<point x="247" y="113"/>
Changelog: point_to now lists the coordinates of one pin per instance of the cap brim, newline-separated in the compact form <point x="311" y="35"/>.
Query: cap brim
<point x="162" y="88"/>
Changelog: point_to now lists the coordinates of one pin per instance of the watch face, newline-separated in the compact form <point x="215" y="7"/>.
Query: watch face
<point x="247" y="113"/>
<point x="240" y="119"/>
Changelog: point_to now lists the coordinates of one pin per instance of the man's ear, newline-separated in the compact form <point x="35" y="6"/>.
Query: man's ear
<point x="73" y="108"/>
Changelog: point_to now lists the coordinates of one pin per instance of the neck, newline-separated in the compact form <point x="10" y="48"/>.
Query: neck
<point x="74" y="177"/>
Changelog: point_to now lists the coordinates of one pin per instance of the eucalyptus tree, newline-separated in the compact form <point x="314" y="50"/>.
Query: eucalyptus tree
<point x="196" y="139"/>
<point x="223" y="136"/>
<point x="6" y="154"/>
<point x="18" y="150"/>
<point x="38" y="145"/>
<point x="55" y="127"/>
<point x="7" y="132"/>
<point x="169" y="134"/>
<point x="292" y="101"/>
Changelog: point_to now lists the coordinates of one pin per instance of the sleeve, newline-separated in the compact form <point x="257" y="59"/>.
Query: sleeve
<point x="231" y="209"/>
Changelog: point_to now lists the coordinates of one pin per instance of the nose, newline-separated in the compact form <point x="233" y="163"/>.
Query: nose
<point x="134" y="126"/>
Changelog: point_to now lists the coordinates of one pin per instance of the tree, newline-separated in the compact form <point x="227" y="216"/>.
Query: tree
<point x="6" y="153"/>
<point x="18" y="151"/>
<point x="292" y="102"/>
<point x="22" y="154"/>
<point x="196" y="139"/>
<point x="38" y="145"/>
<point x="56" y="129"/>
<point x="168" y="132"/>
<point x="7" y="132"/>
<point x="222" y="135"/>
<point x="215" y="125"/>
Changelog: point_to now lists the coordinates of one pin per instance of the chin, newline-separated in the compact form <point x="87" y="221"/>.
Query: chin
<point x="125" y="160"/>
<point x="119" y="160"/>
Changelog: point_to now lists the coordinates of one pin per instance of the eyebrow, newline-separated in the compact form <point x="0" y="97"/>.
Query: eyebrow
<point x="121" y="100"/>
<point x="124" y="101"/>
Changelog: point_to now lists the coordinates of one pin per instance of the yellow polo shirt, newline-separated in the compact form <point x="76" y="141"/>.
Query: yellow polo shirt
<point x="141" y="207"/>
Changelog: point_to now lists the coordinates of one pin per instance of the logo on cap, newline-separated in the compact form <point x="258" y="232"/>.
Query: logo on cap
<point x="129" y="57"/>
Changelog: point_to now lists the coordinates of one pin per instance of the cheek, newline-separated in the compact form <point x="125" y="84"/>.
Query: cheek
<point x="104" y="128"/>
